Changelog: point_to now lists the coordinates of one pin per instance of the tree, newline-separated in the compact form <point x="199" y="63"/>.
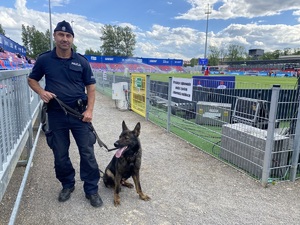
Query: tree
<point x="223" y="53"/>
<point x="287" y="51"/>
<point x="296" y="51"/>
<point x="92" y="52"/>
<point x="74" y="47"/>
<point x="35" y="41"/>
<point x="2" y="31"/>
<point x="117" y="41"/>
<point x="271" y="55"/>
<point x="214" y="56"/>
<point x="194" y="62"/>
<point x="236" y="52"/>
<point x="26" y="38"/>
<point x="128" y="41"/>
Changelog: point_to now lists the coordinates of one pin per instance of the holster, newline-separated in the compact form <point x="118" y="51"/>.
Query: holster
<point x="81" y="105"/>
<point x="44" y="118"/>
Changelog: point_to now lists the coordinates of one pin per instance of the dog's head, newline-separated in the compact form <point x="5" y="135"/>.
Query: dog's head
<point x="128" y="140"/>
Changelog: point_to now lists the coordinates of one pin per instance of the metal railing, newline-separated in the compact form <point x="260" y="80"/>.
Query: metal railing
<point x="20" y="109"/>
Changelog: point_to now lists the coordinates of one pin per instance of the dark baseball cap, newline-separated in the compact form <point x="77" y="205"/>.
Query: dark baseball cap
<point x="65" y="27"/>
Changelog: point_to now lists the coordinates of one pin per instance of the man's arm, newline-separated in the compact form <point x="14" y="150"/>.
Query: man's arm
<point x="91" y="92"/>
<point x="46" y="96"/>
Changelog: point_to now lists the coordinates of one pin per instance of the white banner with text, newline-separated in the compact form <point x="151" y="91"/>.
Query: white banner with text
<point x="182" y="88"/>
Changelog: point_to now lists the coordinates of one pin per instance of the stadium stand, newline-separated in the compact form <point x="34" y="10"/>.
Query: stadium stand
<point x="2" y="66"/>
<point x="135" y="64"/>
<point x="13" y="61"/>
<point x="135" y="68"/>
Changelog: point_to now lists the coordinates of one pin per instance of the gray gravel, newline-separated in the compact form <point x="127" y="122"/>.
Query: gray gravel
<point x="186" y="186"/>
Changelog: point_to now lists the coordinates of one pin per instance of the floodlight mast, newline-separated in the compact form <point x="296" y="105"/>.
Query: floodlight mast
<point x="207" y="13"/>
<point x="51" y="40"/>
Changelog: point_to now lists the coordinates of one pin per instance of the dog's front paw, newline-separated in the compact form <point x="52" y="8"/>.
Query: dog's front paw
<point x="126" y="184"/>
<point x="117" y="200"/>
<point x="145" y="197"/>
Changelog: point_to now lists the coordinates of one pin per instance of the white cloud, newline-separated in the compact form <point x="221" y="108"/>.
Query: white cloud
<point x="229" y="9"/>
<point x="173" y="42"/>
<point x="59" y="2"/>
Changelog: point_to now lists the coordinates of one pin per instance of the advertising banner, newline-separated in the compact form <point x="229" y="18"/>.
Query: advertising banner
<point x="220" y="82"/>
<point x="9" y="45"/>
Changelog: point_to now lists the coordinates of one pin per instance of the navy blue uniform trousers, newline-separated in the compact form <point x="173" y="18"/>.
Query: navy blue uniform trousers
<point x="58" y="139"/>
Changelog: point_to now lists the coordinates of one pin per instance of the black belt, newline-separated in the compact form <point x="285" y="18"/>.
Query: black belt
<point x="68" y="110"/>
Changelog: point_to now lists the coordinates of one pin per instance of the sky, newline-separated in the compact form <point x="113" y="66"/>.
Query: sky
<point x="174" y="29"/>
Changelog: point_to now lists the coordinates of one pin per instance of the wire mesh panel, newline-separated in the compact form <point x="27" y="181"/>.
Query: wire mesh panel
<point x="205" y="121"/>
<point x="232" y="124"/>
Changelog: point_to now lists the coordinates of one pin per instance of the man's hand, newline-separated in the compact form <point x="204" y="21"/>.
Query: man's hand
<point x="87" y="116"/>
<point x="46" y="96"/>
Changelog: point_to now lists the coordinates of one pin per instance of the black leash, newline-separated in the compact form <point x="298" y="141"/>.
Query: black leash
<point x="68" y="110"/>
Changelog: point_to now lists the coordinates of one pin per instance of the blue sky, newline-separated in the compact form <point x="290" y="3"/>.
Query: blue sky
<point x="165" y="28"/>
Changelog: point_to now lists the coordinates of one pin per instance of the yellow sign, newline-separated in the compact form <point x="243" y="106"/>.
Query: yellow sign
<point x="138" y="94"/>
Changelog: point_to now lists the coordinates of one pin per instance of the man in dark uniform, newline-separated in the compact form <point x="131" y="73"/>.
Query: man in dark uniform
<point x="69" y="78"/>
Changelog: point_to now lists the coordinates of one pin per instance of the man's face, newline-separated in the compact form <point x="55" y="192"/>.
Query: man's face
<point x="63" y="40"/>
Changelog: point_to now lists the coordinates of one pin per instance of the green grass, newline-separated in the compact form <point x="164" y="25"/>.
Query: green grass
<point x="251" y="82"/>
<point x="206" y="137"/>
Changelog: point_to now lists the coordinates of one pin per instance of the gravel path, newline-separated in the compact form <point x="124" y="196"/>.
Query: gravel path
<point x="186" y="186"/>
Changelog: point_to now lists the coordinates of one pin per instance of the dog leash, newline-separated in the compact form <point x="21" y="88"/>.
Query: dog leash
<point x="68" y="110"/>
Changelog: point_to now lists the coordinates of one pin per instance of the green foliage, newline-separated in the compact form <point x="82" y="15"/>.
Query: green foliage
<point x="236" y="52"/>
<point x="194" y="62"/>
<point x="74" y="47"/>
<point x="214" y="55"/>
<point x="271" y="55"/>
<point x="35" y="41"/>
<point x="2" y="31"/>
<point x="117" y="41"/>
<point x="92" y="52"/>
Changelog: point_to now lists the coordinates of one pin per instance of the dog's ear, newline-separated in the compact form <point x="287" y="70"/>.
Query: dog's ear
<point x="137" y="129"/>
<point x="124" y="127"/>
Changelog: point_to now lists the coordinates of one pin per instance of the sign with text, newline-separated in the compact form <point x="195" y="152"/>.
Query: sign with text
<point x="133" y="60"/>
<point x="203" y="61"/>
<point x="182" y="88"/>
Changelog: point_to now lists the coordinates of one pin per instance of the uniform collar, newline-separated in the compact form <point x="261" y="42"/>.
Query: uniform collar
<point x="54" y="55"/>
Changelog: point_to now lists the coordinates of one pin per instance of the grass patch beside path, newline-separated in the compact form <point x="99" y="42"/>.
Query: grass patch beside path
<point x="241" y="81"/>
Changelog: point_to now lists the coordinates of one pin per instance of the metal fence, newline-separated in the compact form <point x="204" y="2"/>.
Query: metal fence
<point x="18" y="112"/>
<point x="253" y="128"/>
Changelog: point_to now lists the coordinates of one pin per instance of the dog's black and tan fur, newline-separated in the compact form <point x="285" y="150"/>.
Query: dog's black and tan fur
<point x="126" y="163"/>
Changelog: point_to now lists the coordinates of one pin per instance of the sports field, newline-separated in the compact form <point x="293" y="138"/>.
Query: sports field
<point x="241" y="81"/>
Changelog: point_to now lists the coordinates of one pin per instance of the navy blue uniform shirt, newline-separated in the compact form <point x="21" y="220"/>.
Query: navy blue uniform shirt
<point x="66" y="78"/>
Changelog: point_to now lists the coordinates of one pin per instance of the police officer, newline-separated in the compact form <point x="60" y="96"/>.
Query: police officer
<point x="69" y="78"/>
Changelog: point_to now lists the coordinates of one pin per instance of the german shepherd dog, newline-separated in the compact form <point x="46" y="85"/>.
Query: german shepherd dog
<point x="126" y="163"/>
